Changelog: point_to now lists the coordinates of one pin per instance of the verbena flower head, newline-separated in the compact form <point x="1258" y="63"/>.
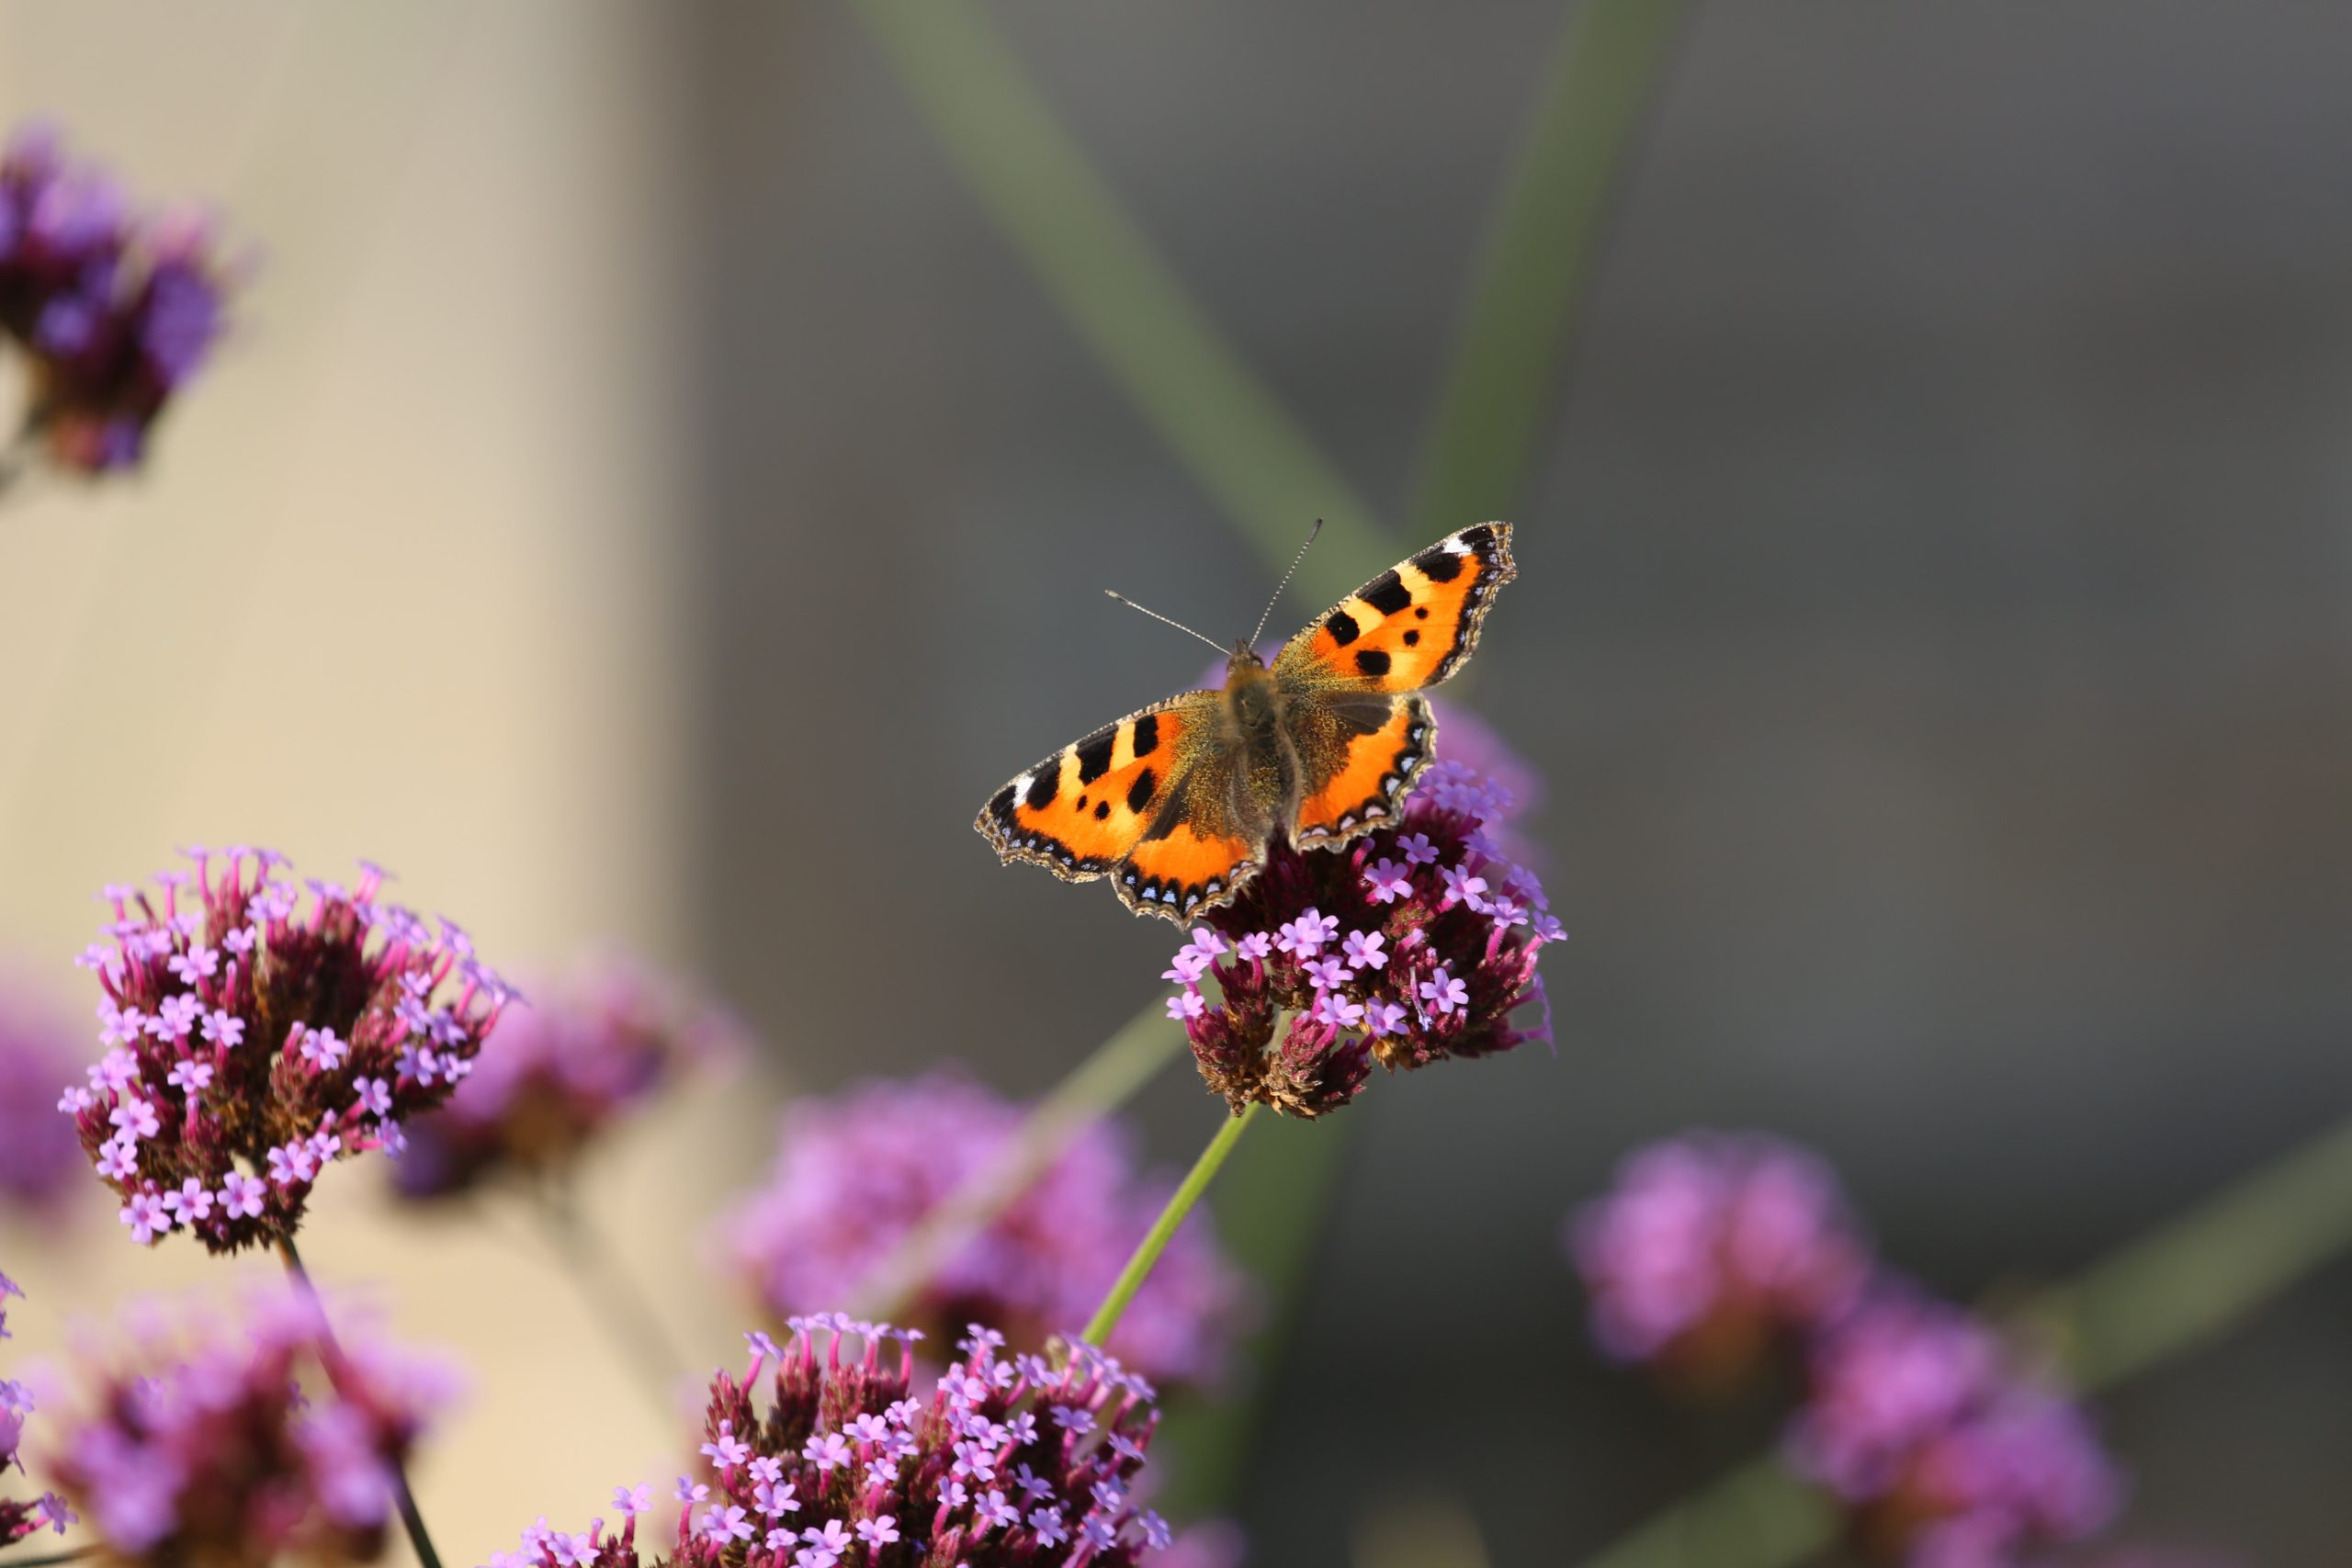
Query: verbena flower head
<point x="115" y="314"/>
<point x="588" y="1054"/>
<point x="40" y="1162"/>
<point x="846" y="1464"/>
<point x="224" y="1442"/>
<point x="1413" y="943"/>
<point x="855" y="1172"/>
<point x="1947" y="1450"/>
<point x="257" y="1036"/>
<point x="1710" y="1248"/>
<point x="21" y="1516"/>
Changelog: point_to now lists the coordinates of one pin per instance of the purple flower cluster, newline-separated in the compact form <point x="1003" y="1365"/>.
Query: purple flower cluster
<point x="567" y="1070"/>
<point x="255" y="1041"/>
<point x="1409" y="944"/>
<point x="115" y="315"/>
<point x="1011" y="1461"/>
<point x="1945" y="1448"/>
<point x="41" y="1163"/>
<point x="19" y="1519"/>
<point x="1712" y="1248"/>
<point x="206" y="1447"/>
<point x="856" y="1172"/>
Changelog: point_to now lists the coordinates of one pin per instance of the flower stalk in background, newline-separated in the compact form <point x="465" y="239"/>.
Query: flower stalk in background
<point x="1008" y="1462"/>
<point x="1414" y="943"/>
<point x="1713" y="1250"/>
<point x="1942" y="1445"/>
<point x="856" y="1172"/>
<point x="591" y="1051"/>
<point x="256" y="1039"/>
<point x="1945" y="1448"/>
<point x="20" y="1518"/>
<point x="204" y="1444"/>
<point x="41" y="1160"/>
<point x="113" y="315"/>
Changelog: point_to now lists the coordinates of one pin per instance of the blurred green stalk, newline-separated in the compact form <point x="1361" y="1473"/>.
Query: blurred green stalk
<point x="2184" y="1284"/>
<point x="1097" y="267"/>
<point x="1538" y="251"/>
<point x="1100" y="1085"/>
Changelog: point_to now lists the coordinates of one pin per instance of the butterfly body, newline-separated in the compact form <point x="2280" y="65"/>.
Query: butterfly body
<point x="1176" y="803"/>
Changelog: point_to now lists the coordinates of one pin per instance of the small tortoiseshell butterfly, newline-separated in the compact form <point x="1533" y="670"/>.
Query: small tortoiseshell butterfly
<point x="1176" y="803"/>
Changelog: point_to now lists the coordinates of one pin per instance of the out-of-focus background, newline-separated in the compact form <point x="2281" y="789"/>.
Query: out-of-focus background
<point x="648" y="497"/>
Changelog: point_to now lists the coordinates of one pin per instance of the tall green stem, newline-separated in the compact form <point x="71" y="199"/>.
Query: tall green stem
<point x="1537" y="256"/>
<point x="1163" y="1229"/>
<point x="338" y="1373"/>
<point x="1098" y="268"/>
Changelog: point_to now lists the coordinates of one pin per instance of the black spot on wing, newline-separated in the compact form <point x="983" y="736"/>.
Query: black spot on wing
<point x="1043" y="787"/>
<point x="1101" y="809"/>
<point x="1094" y="756"/>
<point x="1001" y="806"/>
<point x="1139" y="795"/>
<point x="1147" y="735"/>
<point x="1387" y="593"/>
<point x="1411" y="638"/>
<point x="1439" y="564"/>
<point x="1371" y="661"/>
<point x="1342" y="627"/>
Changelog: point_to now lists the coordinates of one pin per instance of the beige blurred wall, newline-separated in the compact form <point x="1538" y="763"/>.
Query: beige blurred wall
<point x="402" y="583"/>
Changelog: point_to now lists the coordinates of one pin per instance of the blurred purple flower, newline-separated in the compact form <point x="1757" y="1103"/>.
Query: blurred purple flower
<point x="1008" y="1463"/>
<point x="19" y="1519"/>
<point x="205" y="1445"/>
<point x="1921" y="1421"/>
<point x="587" y="1054"/>
<point x="116" y="315"/>
<point x="41" y="1160"/>
<point x="855" y="1172"/>
<point x="1710" y="1248"/>
<point x="1458" y="925"/>
<point x="255" y="1043"/>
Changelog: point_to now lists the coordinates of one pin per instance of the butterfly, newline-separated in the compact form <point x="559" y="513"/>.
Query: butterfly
<point x="1176" y="803"/>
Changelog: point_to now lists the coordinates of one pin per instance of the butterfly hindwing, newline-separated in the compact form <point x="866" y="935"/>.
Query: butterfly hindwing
<point x="1412" y="627"/>
<point x="1081" y="810"/>
<point x="1357" y="755"/>
<point x="1203" y="847"/>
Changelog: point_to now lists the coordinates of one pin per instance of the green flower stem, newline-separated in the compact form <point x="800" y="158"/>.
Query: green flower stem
<point x="1163" y="1229"/>
<point x="338" y="1368"/>
<point x="2199" y="1275"/>
<point x="1104" y="1081"/>
<point x="2184" y="1284"/>
<point x="1539" y="250"/>
<point x="46" y="1560"/>
<point x="611" y="1291"/>
<point x="1101" y="272"/>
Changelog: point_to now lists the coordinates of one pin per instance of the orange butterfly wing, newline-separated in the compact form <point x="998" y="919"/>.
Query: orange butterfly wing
<point x="1361" y="737"/>
<point x="1147" y="801"/>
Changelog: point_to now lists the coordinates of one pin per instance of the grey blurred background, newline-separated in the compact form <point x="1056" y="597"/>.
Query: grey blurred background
<point x="1933" y="624"/>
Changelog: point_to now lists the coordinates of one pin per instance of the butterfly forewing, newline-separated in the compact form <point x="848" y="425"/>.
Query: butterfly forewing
<point x="1412" y="627"/>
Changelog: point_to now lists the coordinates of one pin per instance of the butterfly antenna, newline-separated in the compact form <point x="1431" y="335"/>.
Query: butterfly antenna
<point x="1285" y="582"/>
<point x="1157" y="616"/>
